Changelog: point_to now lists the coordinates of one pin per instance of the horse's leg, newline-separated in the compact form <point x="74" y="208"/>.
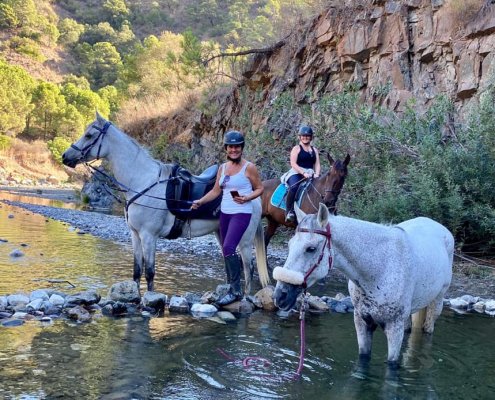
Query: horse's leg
<point x="433" y="311"/>
<point x="138" y="257"/>
<point x="364" y="331"/>
<point x="270" y="231"/>
<point x="245" y="251"/>
<point x="149" y="248"/>
<point x="394" y="331"/>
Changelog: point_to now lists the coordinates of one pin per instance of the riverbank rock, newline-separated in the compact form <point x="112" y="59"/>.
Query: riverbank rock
<point x="46" y="305"/>
<point x="126" y="292"/>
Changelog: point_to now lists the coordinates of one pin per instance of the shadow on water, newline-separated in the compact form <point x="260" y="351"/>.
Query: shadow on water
<point x="181" y="357"/>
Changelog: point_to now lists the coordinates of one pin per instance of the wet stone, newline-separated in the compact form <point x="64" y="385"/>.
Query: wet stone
<point x="5" y="315"/>
<point x="127" y="292"/>
<point x="12" y="323"/>
<point x="178" y="304"/>
<point x="154" y="300"/>
<point x="84" y="298"/>
<point x="16" y="253"/>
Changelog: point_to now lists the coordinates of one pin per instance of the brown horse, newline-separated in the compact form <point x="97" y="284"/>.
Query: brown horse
<point x="325" y="189"/>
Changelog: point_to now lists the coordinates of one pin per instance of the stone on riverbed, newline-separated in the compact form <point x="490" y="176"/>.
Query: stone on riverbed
<point x="127" y="292"/>
<point x="39" y="294"/>
<point x="265" y="297"/>
<point x="18" y="300"/>
<point x="16" y="253"/>
<point x="203" y="310"/>
<point x="156" y="301"/>
<point x="240" y="307"/>
<point x="178" y="304"/>
<point x="86" y="298"/>
<point x="78" y="313"/>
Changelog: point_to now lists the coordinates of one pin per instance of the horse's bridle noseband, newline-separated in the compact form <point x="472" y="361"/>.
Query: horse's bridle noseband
<point x="328" y="244"/>
<point x="86" y="149"/>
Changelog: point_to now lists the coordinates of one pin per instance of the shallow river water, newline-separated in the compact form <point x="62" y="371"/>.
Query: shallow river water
<point x="181" y="357"/>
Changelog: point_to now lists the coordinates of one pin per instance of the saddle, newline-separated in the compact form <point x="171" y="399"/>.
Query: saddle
<point x="280" y="194"/>
<point x="184" y="187"/>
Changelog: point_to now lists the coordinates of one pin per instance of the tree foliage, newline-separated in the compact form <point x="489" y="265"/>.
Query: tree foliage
<point x="16" y="87"/>
<point x="416" y="163"/>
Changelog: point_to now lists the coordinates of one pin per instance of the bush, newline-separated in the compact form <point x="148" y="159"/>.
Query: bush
<point x="5" y="142"/>
<point x="57" y="146"/>
<point x="415" y="164"/>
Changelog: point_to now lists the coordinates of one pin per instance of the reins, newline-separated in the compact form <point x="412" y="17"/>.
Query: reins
<point x="304" y="304"/>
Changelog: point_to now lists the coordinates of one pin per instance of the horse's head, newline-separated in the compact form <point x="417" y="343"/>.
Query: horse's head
<point x="333" y="181"/>
<point x="308" y="259"/>
<point x="90" y="145"/>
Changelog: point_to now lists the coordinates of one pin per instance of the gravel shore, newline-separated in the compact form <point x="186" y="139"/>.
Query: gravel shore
<point x="477" y="282"/>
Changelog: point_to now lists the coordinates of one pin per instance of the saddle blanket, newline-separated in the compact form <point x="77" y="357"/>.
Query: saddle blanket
<point x="279" y="195"/>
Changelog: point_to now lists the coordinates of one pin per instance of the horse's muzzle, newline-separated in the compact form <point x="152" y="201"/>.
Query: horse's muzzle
<point x="285" y="295"/>
<point x="69" y="161"/>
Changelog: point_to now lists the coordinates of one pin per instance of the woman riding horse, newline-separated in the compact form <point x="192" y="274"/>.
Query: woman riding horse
<point x="305" y="164"/>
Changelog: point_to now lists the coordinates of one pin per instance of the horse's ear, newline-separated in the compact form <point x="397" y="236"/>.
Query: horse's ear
<point x="347" y="159"/>
<point x="330" y="159"/>
<point x="322" y="215"/>
<point x="300" y="214"/>
<point x="99" y="118"/>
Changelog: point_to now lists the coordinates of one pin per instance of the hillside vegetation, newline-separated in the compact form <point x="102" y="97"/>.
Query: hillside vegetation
<point x="142" y="64"/>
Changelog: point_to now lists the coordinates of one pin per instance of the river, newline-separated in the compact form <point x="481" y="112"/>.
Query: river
<point x="181" y="357"/>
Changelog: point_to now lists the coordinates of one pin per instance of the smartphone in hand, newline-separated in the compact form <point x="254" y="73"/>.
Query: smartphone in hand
<point x="235" y="193"/>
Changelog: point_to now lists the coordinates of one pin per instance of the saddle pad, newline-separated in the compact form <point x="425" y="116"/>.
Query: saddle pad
<point x="279" y="195"/>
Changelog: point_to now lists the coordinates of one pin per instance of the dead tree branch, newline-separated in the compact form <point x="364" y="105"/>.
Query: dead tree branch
<point x="264" y="50"/>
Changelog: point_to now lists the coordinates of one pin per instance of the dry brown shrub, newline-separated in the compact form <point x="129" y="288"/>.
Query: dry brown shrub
<point x="135" y="110"/>
<point x="30" y="160"/>
<point x="462" y="11"/>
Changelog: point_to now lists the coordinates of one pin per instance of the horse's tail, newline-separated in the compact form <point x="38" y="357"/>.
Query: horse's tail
<point x="418" y="318"/>
<point x="261" y="261"/>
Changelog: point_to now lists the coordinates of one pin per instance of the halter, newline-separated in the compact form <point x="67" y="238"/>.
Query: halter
<point x="86" y="149"/>
<point x="328" y="244"/>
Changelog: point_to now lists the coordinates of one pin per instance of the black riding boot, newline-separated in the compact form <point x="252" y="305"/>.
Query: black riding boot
<point x="290" y="216"/>
<point x="233" y="269"/>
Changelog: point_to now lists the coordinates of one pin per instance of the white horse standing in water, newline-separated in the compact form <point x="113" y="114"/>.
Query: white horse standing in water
<point x="146" y="210"/>
<point x="394" y="271"/>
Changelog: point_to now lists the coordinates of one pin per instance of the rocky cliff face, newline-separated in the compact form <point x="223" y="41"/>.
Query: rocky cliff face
<point x="391" y="51"/>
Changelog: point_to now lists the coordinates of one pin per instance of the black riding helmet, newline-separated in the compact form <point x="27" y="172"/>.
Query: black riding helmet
<point x="233" y="138"/>
<point x="305" y="130"/>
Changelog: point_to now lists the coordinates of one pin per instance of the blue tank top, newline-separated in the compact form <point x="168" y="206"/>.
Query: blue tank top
<point x="306" y="159"/>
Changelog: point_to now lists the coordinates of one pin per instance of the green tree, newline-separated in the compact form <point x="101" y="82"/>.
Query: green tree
<point x="49" y="104"/>
<point x="102" y="64"/>
<point x="111" y="96"/>
<point x="57" y="146"/>
<point x="8" y="17"/>
<point x="116" y="11"/>
<point x="85" y="102"/>
<point x="16" y="87"/>
<point x="70" y="31"/>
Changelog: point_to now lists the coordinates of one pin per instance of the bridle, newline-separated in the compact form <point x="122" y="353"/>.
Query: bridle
<point x="328" y="244"/>
<point x="86" y="149"/>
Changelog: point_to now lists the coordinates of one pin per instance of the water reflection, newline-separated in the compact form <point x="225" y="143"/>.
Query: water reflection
<point x="181" y="357"/>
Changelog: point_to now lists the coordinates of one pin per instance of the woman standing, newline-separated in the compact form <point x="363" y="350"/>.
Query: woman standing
<point x="239" y="183"/>
<point x="305" y="164"/>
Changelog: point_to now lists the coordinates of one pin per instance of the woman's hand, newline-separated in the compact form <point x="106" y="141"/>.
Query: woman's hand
<point x="196" y="204"/>
<point x="307" y="175"/>
<point x="241" y="199"/>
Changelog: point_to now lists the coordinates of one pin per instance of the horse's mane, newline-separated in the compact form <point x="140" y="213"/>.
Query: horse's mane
<point x="165" y="167"/>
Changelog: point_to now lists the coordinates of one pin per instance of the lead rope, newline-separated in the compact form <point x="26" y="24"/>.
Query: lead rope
<point x="302" y="331"/>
